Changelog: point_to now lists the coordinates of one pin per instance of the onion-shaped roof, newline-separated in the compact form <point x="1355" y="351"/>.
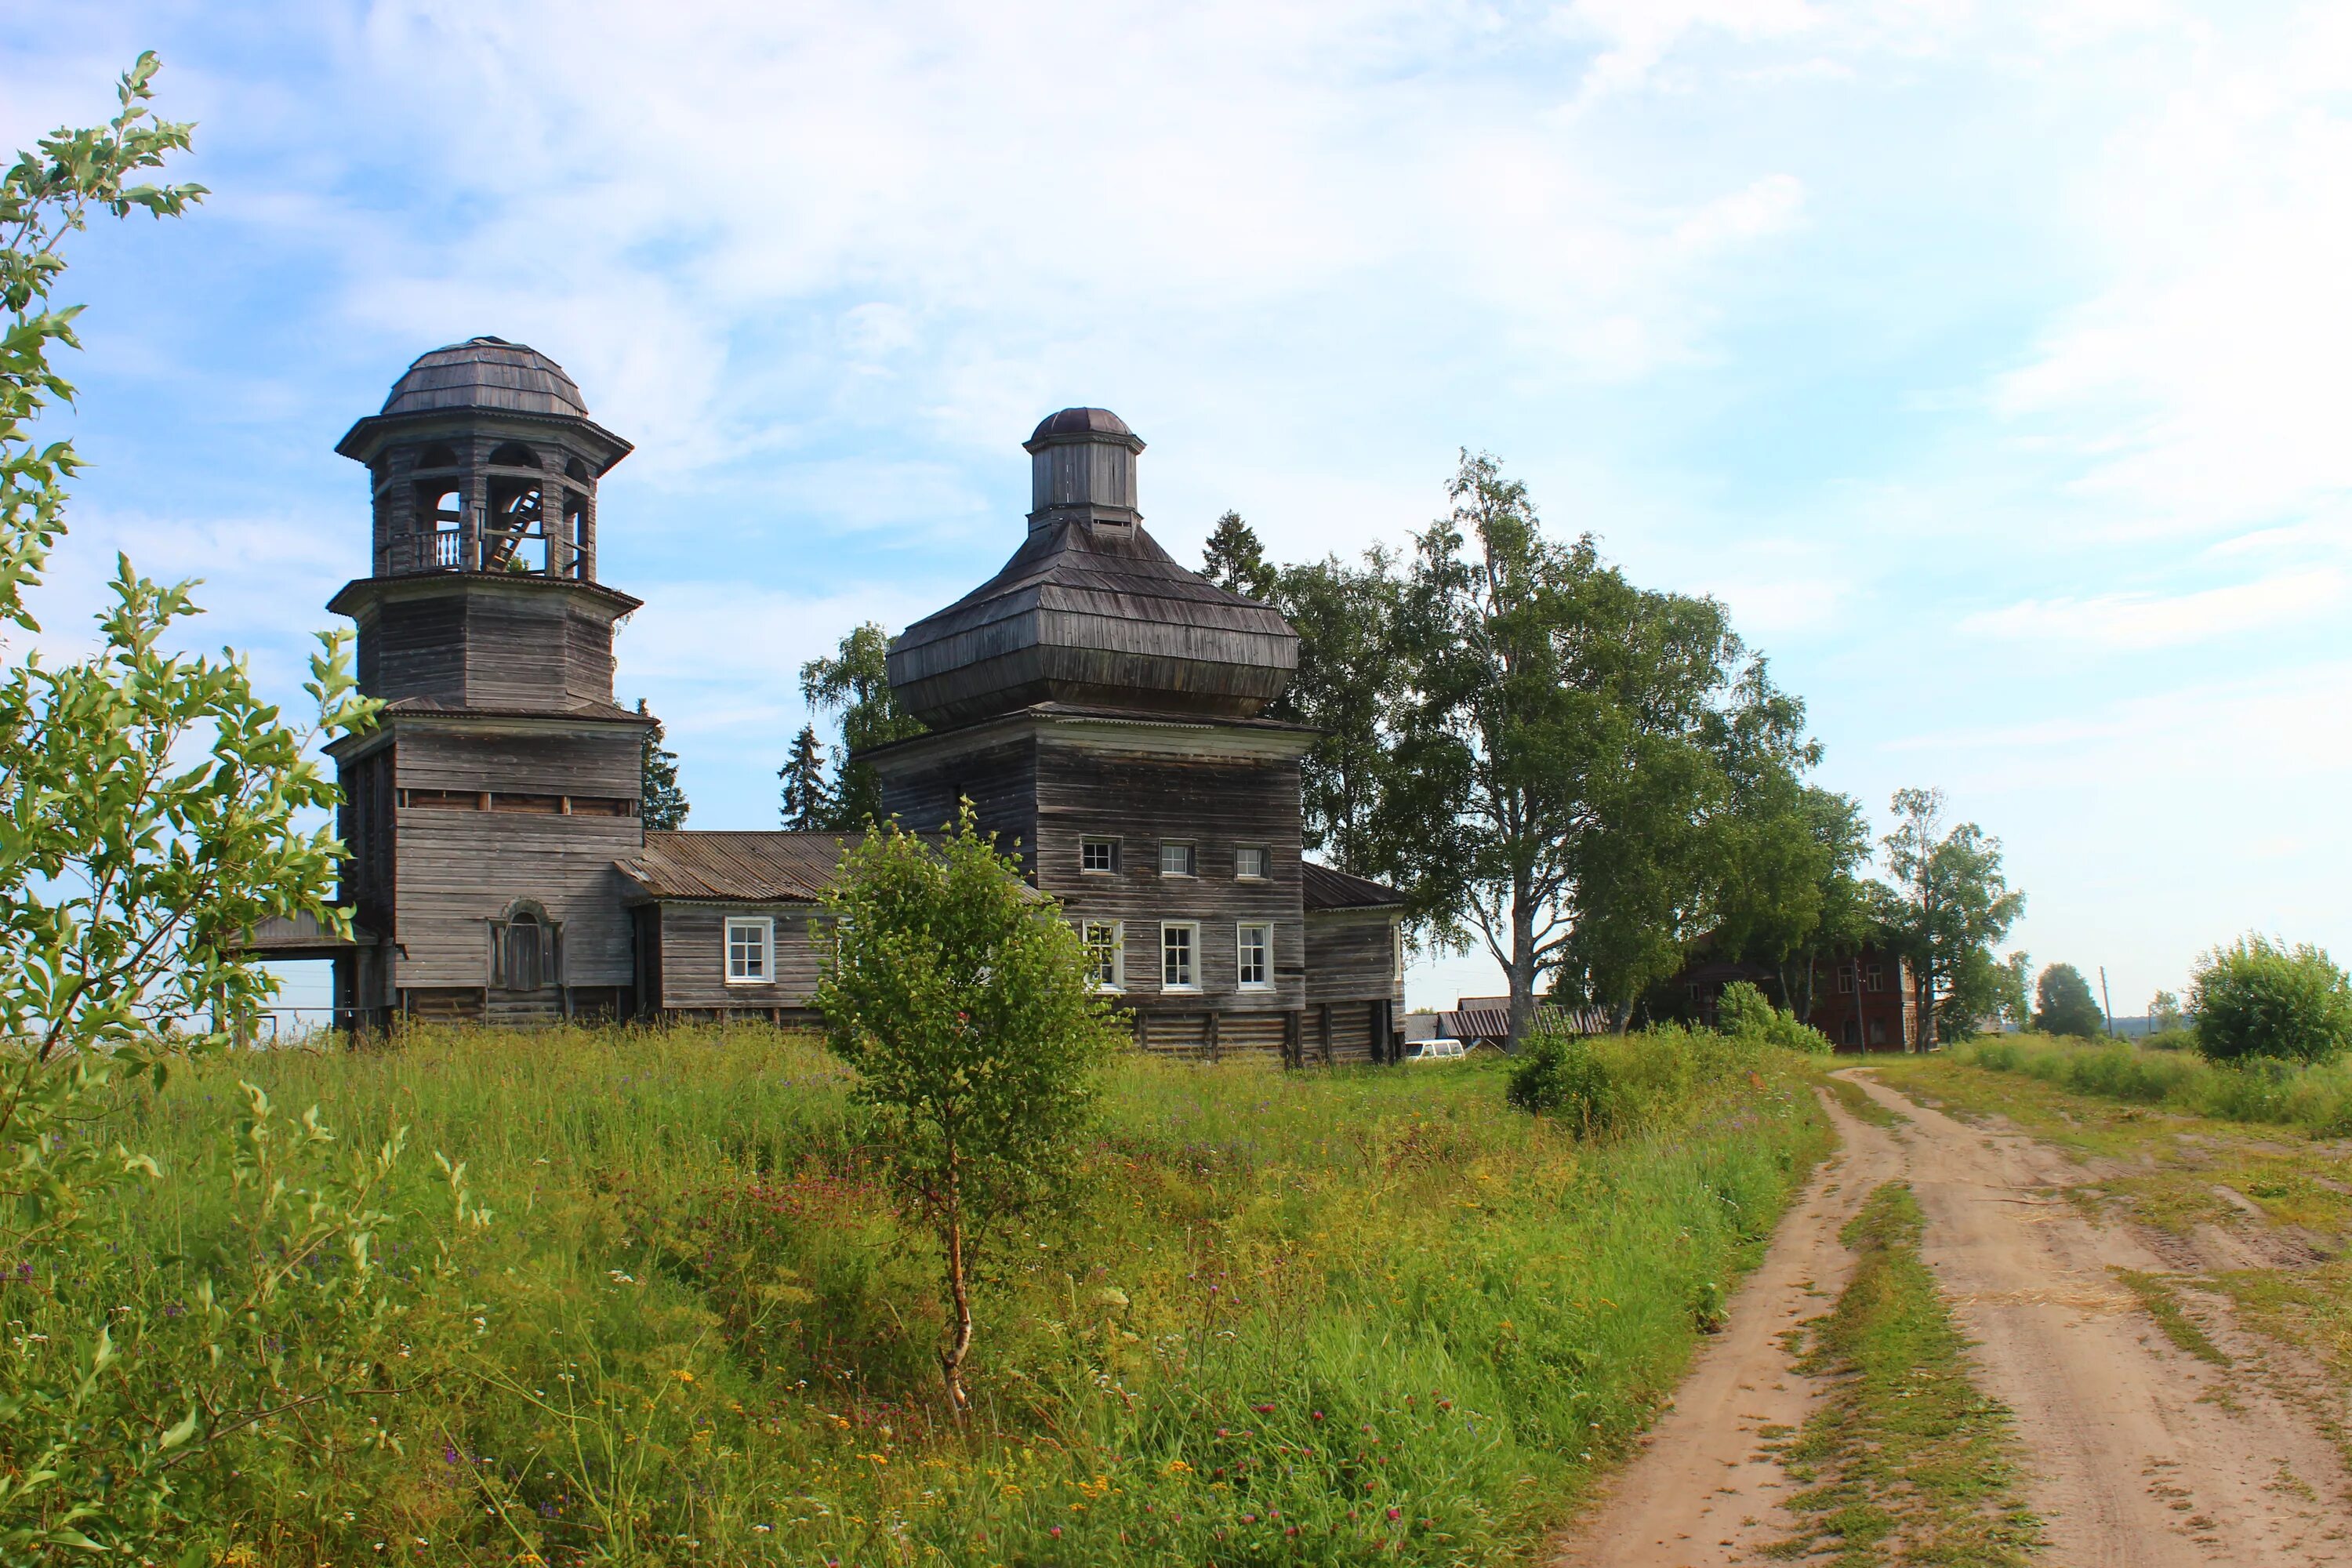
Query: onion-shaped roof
<point x="487" y="373"/>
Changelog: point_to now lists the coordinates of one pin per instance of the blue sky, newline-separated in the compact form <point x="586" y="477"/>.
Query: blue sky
<point x="1987" y="360"/>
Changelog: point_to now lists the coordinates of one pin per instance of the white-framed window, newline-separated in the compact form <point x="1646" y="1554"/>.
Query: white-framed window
<point x="1253" y="956"/>
<point x="1098" y="855"/>
<point x="1175" y="859"/>
<point x="1253" y="863"/>
<point x="1396" y="951"/>
<point x="1106" y="952"/>
<point x="750" y="950"/>
<point x="1180" y="956"/>
<point x="1875" y="978"/>
<point x="1845" y="977"/>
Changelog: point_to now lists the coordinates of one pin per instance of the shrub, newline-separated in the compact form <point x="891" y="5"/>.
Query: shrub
<point x="1745" y="1010"/>
<point x="2258" y="997"/>
<point x="1559" y="1075"/>
<point x="1624" y="1083"/>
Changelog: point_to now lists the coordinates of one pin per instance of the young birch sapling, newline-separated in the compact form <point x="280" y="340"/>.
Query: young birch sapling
<point x="967" y="1007"/>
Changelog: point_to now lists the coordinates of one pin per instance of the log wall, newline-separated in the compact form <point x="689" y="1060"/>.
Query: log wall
<point x="691" y="968"/>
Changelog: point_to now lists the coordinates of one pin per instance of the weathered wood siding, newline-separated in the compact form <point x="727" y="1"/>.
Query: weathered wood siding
<point x="1218" y="806"/>
<point x="1351" y="957"/>
<point x="369" y="880"/>
<point x="692" y="966"/>
<point x="999" y="776"/>
<point x="415" y="648"/>
<point x="486" y="639"/>
<point x="459" y="870"/>
<point x="603" y="765"/>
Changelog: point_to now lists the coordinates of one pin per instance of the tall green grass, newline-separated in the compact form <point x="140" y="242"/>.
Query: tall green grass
<point x="1308" y="1317"/>
<point x="2319" y="1099"/>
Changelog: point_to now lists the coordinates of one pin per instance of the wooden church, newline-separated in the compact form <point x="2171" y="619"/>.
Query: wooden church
<point x="1101" y="706"/>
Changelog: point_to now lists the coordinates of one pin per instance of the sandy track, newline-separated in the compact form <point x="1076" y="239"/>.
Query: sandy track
<point x="2138" y="1453"/>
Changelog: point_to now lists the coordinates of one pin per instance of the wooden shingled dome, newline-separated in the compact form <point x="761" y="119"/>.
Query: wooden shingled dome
<point x="1090" y="612"/>
<point x="487" y="373"/>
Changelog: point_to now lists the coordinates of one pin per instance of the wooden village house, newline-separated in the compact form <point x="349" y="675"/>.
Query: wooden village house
<point x="1102" y="707"/>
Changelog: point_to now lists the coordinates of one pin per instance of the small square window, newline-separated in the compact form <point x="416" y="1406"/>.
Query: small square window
<point x="1175" y="859"/>
<point x="1098" y="855"/>
<point x="1253" y="957"/>
<point x="750" y="950"/>
<point x="1180" y="946"/>
<point x="1106" y="953"/>
<point x="1251" y="862"/>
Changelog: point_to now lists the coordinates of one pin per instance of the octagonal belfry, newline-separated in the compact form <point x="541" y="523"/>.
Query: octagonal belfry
<point x="1090" y="611"/>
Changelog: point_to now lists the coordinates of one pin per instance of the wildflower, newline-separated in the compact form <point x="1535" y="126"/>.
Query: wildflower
<point x="1263" y="1409"/>
<point x="1319" y="1416"/>
<point x="1055" y="1532"/>
<point x="1396" y="1513"/>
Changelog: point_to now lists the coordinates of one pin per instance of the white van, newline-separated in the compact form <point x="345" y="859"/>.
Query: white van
<point x="1438" y="1050"/>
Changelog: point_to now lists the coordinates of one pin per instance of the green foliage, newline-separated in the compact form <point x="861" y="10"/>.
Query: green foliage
<point x="807" y="800"/>
<point x="153" y="812"/>
<point x="662" y="800"/>
<point x="1745" y="1011"/>
<point x="2258" y="997"/>
<point x="2260" y="1090"/>
<point x="2164" y="1016"/>
<point x="1352" y="671"/>
<point x="968" y="1009"/>
<point x="1235" y="559"/>
<point x="1599" y="1084"/>
<point x="1947" y="908"/>
<point x="2062" y="1003"/>
<point x="855" y="684"/>
<point x="702" y="1315"/>
<point x="1573" y="752"/>
<point x="2015" y="996"/>
<point x="1791" y="895"/>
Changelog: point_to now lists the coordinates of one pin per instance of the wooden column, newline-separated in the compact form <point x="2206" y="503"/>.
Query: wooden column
<point x="1213" y="1017"/>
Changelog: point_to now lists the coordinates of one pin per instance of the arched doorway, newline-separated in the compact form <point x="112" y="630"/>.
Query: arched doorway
<point x="526" y="952"/>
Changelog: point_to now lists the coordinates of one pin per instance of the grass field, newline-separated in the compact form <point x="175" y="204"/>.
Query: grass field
<point x="2284" y="1094"/>
<point x="1319" y="1316"/>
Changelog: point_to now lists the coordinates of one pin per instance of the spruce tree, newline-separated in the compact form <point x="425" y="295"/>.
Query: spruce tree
<point x="1235" y="560"/>
<point x="807" y="804"/>
<point x="662" y="802"/>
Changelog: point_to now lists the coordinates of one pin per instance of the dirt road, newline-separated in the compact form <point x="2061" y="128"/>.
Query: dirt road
<point x="2138" y="1453"/>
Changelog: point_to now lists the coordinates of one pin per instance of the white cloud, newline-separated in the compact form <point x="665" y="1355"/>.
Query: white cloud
<point x="1637" y="36"/>
<point x="2202" y="387"/>
<point x="2158" y="620"/>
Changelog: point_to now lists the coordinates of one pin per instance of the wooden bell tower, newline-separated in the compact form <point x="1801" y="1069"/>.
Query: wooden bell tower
<point x="483" y="815"/>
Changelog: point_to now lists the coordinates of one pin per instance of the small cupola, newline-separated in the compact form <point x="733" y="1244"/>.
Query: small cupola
<point x="1082" y="469"/>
